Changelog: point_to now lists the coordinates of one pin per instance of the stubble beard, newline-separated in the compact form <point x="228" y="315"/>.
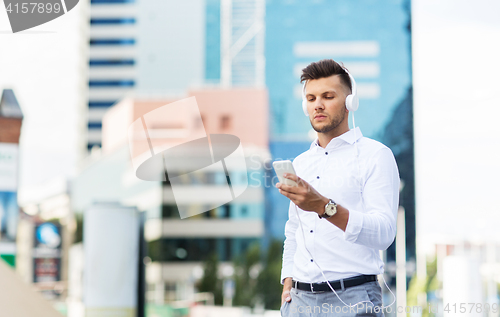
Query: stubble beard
<point x="334" y="123"/>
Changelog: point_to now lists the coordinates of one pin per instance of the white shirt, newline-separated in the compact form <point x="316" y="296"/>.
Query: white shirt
<point x="367" y="187"/>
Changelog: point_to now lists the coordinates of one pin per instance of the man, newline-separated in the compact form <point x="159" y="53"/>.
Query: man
<point x="343" y="210"/>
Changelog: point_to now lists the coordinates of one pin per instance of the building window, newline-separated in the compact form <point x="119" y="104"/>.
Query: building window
<point x="226" y="213"/>
<point x="124" y="41"/>
<point x="112" y="83"/>
<point x="94" y="125"/>
<point x="110" y="1"/>
<point x="112" y="21"/>
<point x="169" y="211"/>
<point x="101" y="104"/>
<point x="111" y="62"/>
<point x="225" y="122"/>
<point x="198" y="249"/>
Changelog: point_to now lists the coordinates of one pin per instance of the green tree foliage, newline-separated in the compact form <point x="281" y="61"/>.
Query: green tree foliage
<point x="423" y="286"/>
<point x="268" y="283"/>
<point x="244" y="283"/>
<point x="210" y="281"/>
<point x="155" y="250"/>
<point x="79" y="228"/>
<point x="256" y="277"/>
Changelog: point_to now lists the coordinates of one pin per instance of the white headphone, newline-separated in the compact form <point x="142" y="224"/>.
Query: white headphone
<point x="351" y="101"/>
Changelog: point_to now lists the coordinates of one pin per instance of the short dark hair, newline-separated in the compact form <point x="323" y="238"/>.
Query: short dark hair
<point x="326" y="68"/>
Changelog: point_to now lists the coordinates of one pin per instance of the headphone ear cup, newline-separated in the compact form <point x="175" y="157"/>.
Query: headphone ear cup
<point x="348" y="102"/>
<point x="352" y="102"/>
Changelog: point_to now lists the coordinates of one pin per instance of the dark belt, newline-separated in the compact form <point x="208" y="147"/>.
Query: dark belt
<point x="337" y="285"/>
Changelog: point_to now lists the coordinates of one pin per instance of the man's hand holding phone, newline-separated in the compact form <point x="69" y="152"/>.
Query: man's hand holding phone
<point x="303" y="195"/>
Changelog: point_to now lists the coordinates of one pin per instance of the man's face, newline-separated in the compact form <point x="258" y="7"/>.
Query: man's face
<point x="326" y="103"/>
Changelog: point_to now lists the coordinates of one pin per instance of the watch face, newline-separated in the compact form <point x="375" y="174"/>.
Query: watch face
<point x="330" y="209"/>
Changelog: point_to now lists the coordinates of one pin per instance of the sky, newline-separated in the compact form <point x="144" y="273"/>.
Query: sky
<point x="456" y="105"/>
<point x="28" y="61"/>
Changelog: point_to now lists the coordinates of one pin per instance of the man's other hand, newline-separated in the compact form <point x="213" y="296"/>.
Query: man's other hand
<point x="287" y="287"/>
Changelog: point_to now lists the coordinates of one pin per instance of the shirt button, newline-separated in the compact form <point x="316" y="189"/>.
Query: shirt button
<point x="326" y="153"/>
<point x="317" y="177"/>
<point x="311" y="260"/>
<point x="311" y="231"/>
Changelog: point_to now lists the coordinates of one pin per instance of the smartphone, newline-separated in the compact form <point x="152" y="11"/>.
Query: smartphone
<point x="281" y="167"/>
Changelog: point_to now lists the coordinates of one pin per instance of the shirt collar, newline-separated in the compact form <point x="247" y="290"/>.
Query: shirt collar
<point x="350" y="137"/>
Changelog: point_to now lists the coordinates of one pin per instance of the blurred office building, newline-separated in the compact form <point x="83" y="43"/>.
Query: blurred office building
<point x="112" y="59"/>
<point x="373" y="40"/>
<point x="11" y="118"/>
<point x="476" y="261"/>
<point x="163" y="48"/>
<point x="46" y="232"/>
<point x="178" y="246"/>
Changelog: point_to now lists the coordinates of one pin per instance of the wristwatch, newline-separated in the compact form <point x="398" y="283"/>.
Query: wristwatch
<point x="330" y="210"/>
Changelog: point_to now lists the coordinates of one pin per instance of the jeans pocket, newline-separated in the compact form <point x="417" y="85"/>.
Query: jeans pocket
<point x="284" y="309"/>
<point x="374" y="293"/>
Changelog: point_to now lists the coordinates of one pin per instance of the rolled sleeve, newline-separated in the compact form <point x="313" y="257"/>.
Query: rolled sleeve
<point x="375" y="224"/>
<point x="354" y="226"/>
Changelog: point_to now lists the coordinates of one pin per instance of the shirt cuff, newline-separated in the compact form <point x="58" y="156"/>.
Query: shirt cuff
<point x="354" y="225"/>
<point x="284" y="274"/>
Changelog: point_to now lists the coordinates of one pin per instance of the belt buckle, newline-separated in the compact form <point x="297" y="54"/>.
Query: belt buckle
<point x="312" y="288"/>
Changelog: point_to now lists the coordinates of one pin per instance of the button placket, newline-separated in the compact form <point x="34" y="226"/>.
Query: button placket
<point x="324" y="162"/>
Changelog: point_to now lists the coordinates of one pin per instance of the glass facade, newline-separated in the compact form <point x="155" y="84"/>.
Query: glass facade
<point x="212" y="56"/>
<point x="373" y="40"/>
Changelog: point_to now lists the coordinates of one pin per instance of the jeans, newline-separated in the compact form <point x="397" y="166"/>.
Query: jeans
<point x="326" y="304"/>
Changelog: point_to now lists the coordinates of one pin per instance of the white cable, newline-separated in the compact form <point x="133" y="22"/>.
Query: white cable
<point x="329" y="285"/>
<point x="322" y="273"/>
<point x="357" y="159"/>
<point x="393" y="296"/>
<point x="361" y="196"/>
